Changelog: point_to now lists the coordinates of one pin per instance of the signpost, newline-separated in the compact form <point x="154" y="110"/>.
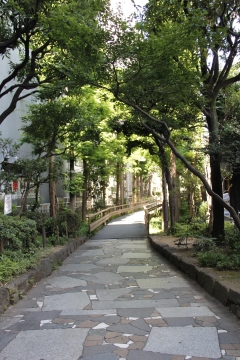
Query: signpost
<point x="7" y="204"/>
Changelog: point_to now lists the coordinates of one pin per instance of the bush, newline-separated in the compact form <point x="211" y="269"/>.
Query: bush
<point x="211" y="258"/>
<point x="72" y="220"/>
<point x="17" y="233"/>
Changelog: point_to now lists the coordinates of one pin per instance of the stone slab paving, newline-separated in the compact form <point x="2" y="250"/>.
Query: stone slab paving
<point x="117" y="299"/>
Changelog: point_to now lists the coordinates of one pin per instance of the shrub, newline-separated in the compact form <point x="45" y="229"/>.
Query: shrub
<point x="17" y="233"/>
<point x="73" y="221"/>
<point x="211" y="258"/>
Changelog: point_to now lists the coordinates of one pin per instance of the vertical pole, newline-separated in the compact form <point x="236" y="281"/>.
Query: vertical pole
<point x="44" y="237"/>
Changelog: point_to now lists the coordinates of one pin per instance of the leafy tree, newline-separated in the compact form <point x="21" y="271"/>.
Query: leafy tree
<point x="168" y="65"/>
<point x="52" y="41"/>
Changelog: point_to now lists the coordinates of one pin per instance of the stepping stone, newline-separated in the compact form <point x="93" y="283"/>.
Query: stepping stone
<point x="100" y="305"/>
<point x="66" y="282"/>
<point x="134" y="269"/>
<point x="194" y="341"/>
<point x="132" y="255"/>
<point x="78" y="267"/>
<point x="185" y="312"/>
<point x="29" y="344"/>
<point x="111" y="294"/>
<point x="66" y="301"/>
<point x="162" y="283"/>
<point x="113" y="261"/>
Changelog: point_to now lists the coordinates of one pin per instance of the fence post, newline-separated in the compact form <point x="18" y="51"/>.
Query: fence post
<point x="44" y="237"/>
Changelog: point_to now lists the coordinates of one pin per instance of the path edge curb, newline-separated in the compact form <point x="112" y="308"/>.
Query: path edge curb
<point x="220" y="290"/>
<point x="13" y="291"/>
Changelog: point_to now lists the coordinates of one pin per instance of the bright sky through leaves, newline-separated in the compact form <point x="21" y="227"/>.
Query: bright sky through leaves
<point x="127" y="5"/>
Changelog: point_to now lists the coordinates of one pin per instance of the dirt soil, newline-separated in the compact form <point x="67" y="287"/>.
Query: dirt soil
<point x="188" y="251"/>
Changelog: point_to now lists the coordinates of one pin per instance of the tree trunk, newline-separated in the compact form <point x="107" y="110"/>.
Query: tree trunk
<point x="85" y="187"/>
<point x="118" y="184"/>
<point x="137" y="188"/>
<point x="121" y="185"/>
<point x="133" y="188"/>
<point x="164" y="204"/>
<point x="216" y="176"/>
<point x="52" y="189"/>
<point x="174" y="190"/>
<point x="235" y="191"/>
<point x="71" y="177"/>
<point x="24" y="199"/>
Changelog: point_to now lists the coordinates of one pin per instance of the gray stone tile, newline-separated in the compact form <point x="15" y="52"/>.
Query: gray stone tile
<point x="229" y="337"/>
<point x="162" y="283"/>
<point x="113" y="261"/>
<point x="29" y="345"/>
<point x="66" y="282"/>
<point x="97" y="350"/>
<point x="134" y="255"/>
<point x="106" y="356"/>
<point x="187" y="341"/>
<point x="66" y="301"/>
<point x="127" y="329"/>
<point x="141" y="324"/>
<point x="105" y="278"/>
<point x="181" y="321"/>
<point x="5" y="338"/>
<point x="78" y="267"/>
<point x="133" y="304"/>
<point x="131" y="312"/>
<point x="76" y="312"/>
<point x="185" y="312"/>
<point x="90" y="253"/>
<point x="147" y="355"/>
<point x="133" y="268"/>
<point x="111" y="294"/>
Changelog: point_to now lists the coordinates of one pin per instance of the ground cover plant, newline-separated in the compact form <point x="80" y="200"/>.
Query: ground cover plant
<point x="195" y="234"/>
<point x="22" y="242"/>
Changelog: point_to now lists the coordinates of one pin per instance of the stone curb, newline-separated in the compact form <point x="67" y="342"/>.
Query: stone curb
<point x="228" y="296"/>
<point x="15" y="289"/>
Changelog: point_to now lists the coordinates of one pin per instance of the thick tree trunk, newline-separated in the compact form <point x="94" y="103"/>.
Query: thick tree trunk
<point x="216" y="176"/>
<point x="85" y="187"/>
<point x="52" y="189"/>
<point x="235" y="191"/>
<point x="71" y="177"/>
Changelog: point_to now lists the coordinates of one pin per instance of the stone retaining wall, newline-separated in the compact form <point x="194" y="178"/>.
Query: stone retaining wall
<point x="228" y="294"/>
<point x="14" y="290"/>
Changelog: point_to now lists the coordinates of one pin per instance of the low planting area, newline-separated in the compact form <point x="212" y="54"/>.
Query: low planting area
<point x="27" y="239"/>
<point x="194" y="236"/>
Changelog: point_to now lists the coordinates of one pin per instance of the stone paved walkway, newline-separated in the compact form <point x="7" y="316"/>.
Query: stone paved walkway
<point x="117" y="299"/>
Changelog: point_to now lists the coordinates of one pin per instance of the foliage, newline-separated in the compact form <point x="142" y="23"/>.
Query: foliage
<point x="17" y="233"/>
<point x="54" y="41"/>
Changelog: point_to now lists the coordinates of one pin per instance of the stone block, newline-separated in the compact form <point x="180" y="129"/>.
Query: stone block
<point x="4" y="299"/>
<point x="234" y="296"/>
<point x="221" y="292"/>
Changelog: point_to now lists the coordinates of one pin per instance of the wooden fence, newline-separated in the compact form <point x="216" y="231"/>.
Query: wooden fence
<point x="149" y="212"/>
<point x="101" y="217"/>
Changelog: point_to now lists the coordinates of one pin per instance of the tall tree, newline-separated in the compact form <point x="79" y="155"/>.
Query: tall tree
<point x="47" y="40"/>
<point x="158" y="76"/>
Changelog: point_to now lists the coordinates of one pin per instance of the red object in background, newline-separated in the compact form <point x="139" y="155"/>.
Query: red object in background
<point x="15" y="185"/>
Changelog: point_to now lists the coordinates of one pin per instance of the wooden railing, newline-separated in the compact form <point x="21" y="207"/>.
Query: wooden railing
<point x="149" y="212"/>
<point x="101" y="217"/>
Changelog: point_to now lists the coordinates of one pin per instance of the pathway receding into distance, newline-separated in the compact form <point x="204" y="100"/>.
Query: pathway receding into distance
<point x="115" y="298"/>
